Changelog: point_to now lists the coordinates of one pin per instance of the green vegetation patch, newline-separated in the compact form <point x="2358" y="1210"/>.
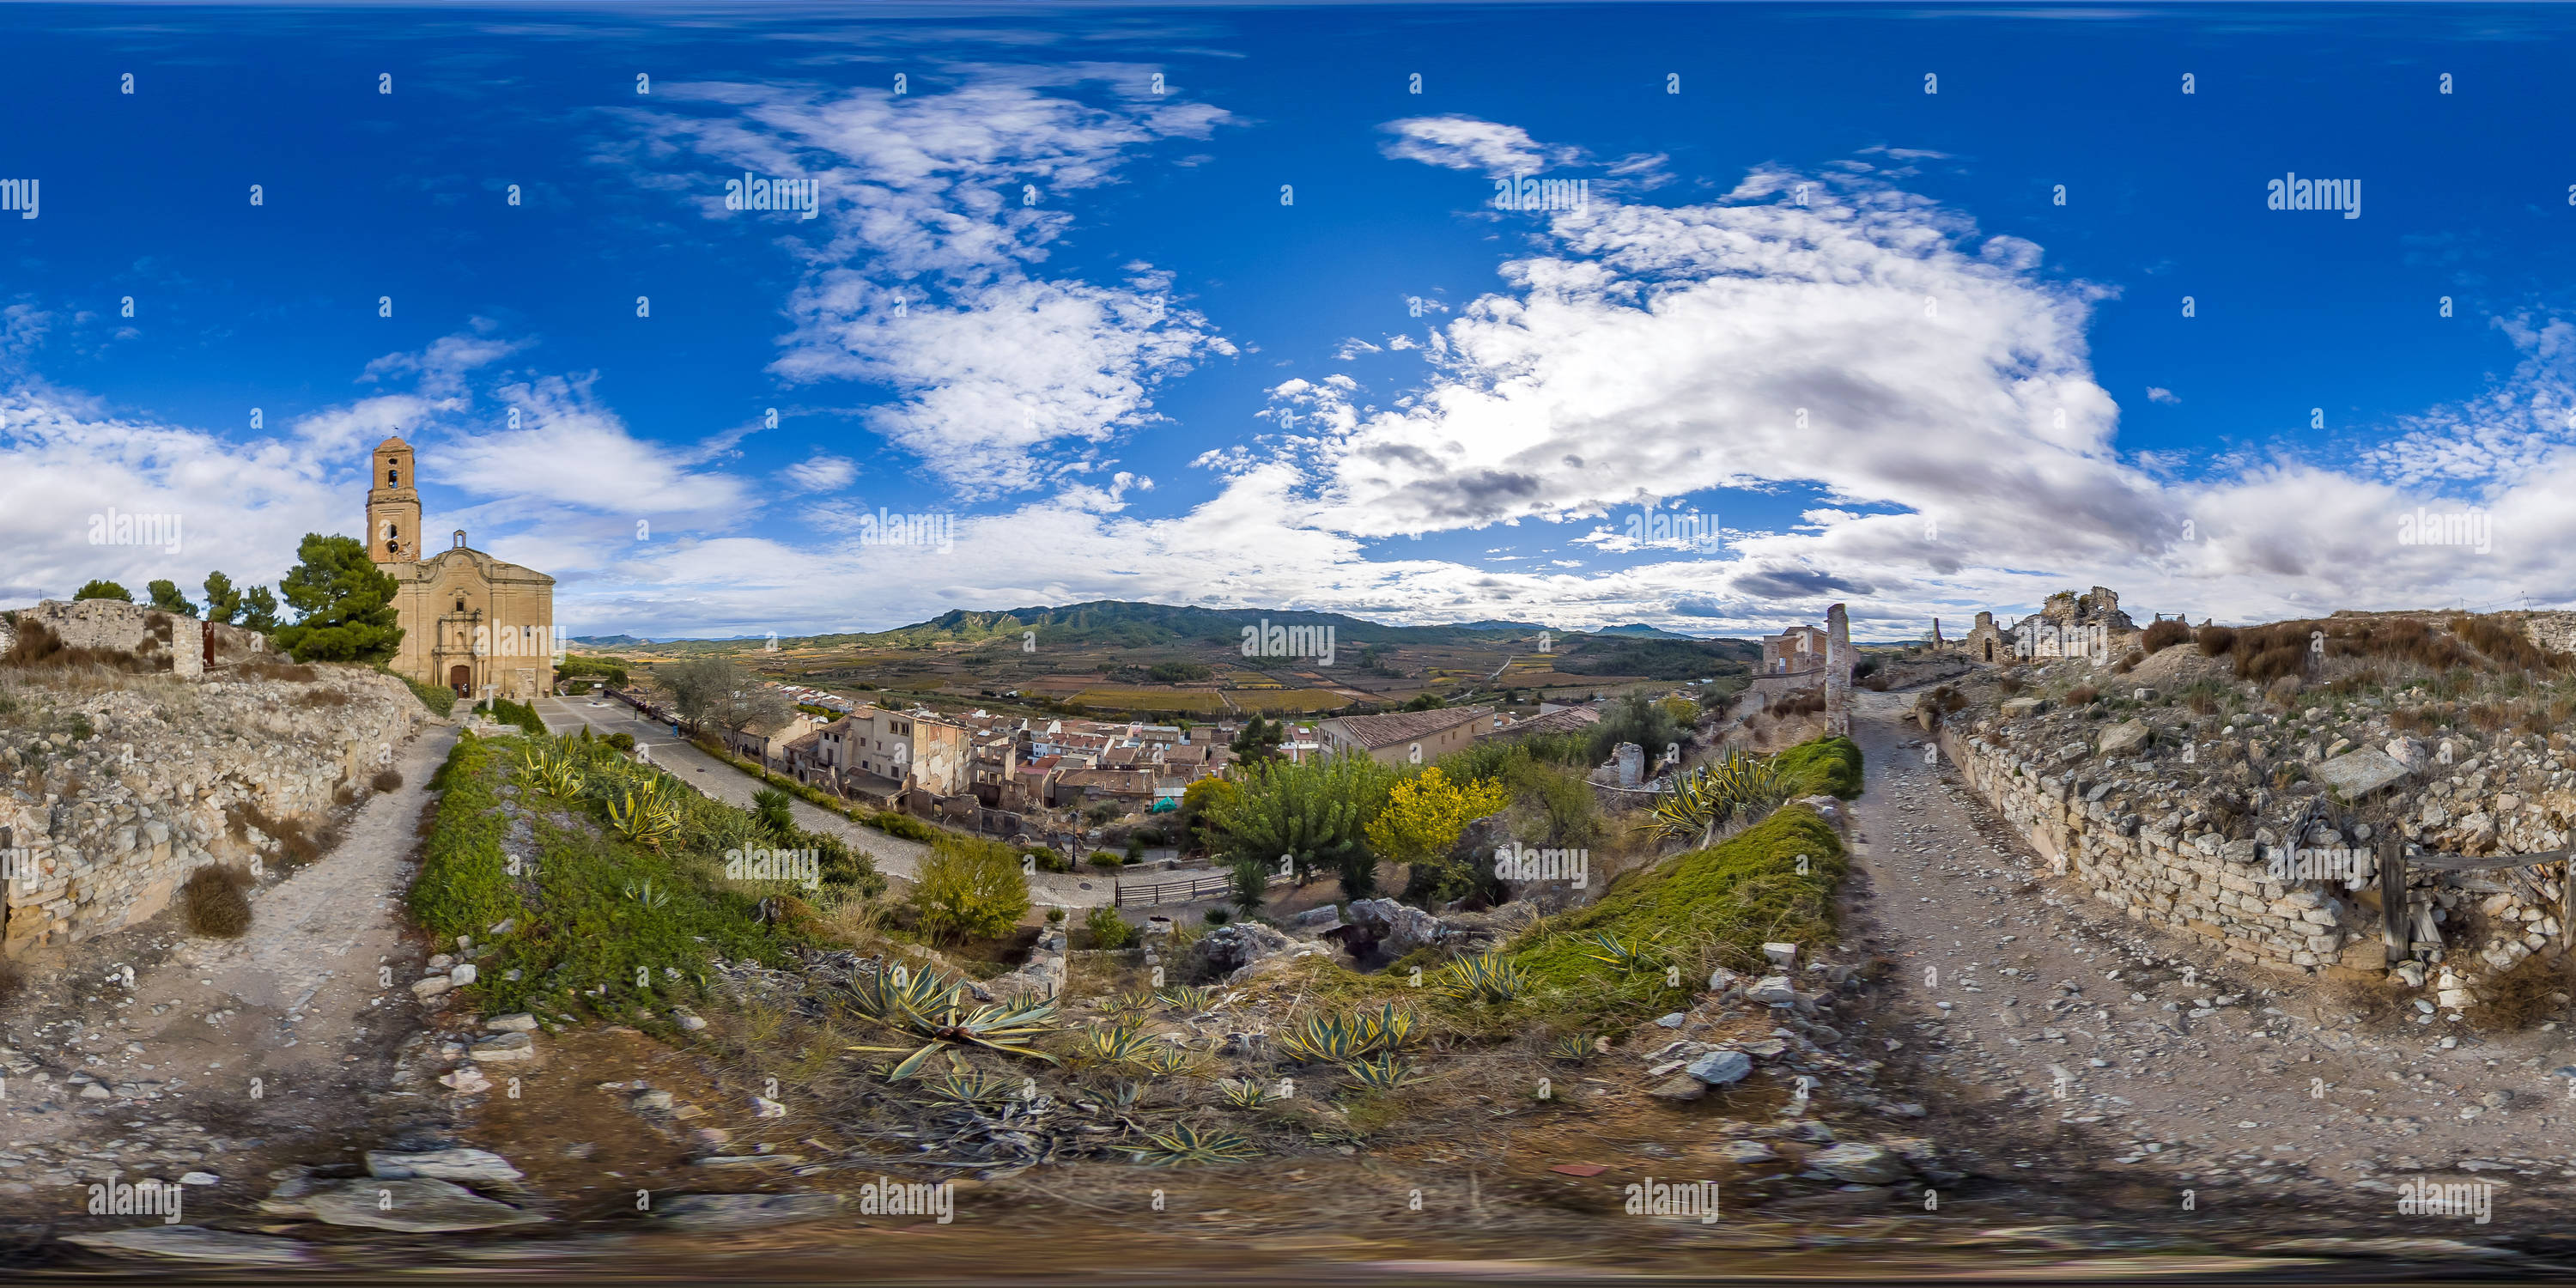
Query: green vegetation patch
<point x="1695" y="911"/>
<point x="596" y="922"/>
<point x="1822" y="766"/>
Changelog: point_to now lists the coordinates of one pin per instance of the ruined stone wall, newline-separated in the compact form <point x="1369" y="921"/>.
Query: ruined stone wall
<point x="2555" y="631"/>
<point x="109" y="800"/>
<point x="168" y="640"/>
<point x="2217" y="891"/>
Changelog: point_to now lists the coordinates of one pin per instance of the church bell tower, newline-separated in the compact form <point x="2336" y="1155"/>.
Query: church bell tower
<point x="393" y="506"/>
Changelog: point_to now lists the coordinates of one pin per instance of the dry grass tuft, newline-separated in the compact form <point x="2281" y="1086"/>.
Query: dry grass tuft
<point x="2521" y="998"/>
<point x="214" y="902"/>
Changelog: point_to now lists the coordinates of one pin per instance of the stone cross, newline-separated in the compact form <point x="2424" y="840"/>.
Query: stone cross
<point x="1838" y="669"/>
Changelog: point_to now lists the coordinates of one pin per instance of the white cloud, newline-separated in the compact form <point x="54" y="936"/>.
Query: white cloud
<point x="2156" y="395"/>
<point x="822" y="473"/>
<point x="1466" y="143"/>
<point x="948" y="203"/>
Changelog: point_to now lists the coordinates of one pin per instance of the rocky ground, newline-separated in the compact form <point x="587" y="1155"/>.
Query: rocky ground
<point x="2076" y="1043"/>
<point x="1991" y="1071"/>
<point x="151" y="1053"/>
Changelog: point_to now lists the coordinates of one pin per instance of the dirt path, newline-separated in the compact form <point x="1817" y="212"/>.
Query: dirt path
<point x="222" y="1047"/>
<point x="895" y="857"/>
<point x="2085" y="1039"/>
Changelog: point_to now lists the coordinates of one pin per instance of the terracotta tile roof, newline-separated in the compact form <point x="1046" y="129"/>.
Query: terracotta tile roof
<point x="1406" y="726"/>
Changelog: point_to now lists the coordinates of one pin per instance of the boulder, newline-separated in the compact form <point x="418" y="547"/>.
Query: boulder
<point x="1771" y="989"/>
<point x="708" y="1213"/>
<point x="2359" y="773"/>
<point x="412" y="1206"/>
<point x="1395" y="928"/>
<point x="2015" y="708"/>
<point x="506" y="1048"/>
<point x="1783" y="956"/>
<point x="196" y="1243"/>
<point x="515" y="1022"/>
<point x="1680" y="1086"/>
<point x="1237" y="945"/>
<point x="432" y="986"/>
<point x="1858" y="1164"/>
<point x="469" y="1166"/>
<point x="1720" y="1068"/>
<point x="2125" y="738"/>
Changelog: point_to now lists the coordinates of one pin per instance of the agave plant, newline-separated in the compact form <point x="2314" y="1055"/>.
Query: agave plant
<point x="1243" y="1093"/>
<point x="1185" y="1144"/>
<point x="1704" y="799"/>
<point x="1391" y="1029"/>
<point x="1113" y="1044"/>
<point x="923" y="1006"/>
<point x="1188" y="999"/>
<point x="645" y="814"/>
<point x="1573" y="1046"/>
<point x="1162" y="1059"/>
<point x="1385" y="1072"/>
<point x="557" y="774"/>
<point x="1486" y="977"/>
<point x="1132" y="1002"/>
<point x="648" y="896"/>
<point x="1627" y="959"/>
<point x="1326" y="1039"/>
<point x="962" y="1085"/>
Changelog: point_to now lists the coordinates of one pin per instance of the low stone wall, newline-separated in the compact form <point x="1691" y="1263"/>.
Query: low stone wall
<point x="2217" y="891"/>
<point x="98" y="832"/>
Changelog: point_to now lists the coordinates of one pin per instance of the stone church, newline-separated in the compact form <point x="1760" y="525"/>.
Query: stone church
<point x="481" y="627"/>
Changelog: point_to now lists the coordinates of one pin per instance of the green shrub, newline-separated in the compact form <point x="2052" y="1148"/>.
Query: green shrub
<point x="1218" y="916"/>
<point x="1105" y="859"/>
<point x="1700" y="909"/>
<point x="1821" y="766"/>
<point x="462" y="886"/>
<point x="902" y="825"/>
<point x="622" y="741"/>
<point x="970" y="888"/>
<point x="1108" y="929"/>
<point x="520" y="714"/>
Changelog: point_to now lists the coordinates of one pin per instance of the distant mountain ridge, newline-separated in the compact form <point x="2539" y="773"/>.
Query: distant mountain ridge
<point x="1134" y="624"/>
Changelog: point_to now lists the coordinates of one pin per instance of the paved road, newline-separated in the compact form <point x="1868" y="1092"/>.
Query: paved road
<point x="895" y="857"/>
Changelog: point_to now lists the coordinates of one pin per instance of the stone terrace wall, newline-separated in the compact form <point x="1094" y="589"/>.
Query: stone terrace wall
<point x="2216" y="891"/>
<point x="100" y="831"/>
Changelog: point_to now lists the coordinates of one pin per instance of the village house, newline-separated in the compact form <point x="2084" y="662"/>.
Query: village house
<point x="1793" y="651"/>
<point x="1402" y="737"/>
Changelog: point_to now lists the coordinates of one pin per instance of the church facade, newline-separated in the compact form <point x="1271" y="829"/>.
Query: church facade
<point x="477" y="625"/>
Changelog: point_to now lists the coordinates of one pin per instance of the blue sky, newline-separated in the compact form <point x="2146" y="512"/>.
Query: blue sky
<point x="1262" y="338"/>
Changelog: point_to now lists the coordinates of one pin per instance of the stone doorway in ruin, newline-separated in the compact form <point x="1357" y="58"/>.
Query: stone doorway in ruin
<point x="460" y="678"/>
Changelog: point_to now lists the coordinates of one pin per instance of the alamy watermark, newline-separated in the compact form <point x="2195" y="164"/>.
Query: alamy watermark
<point x="147" y="1197"/>
<point x="2294" y="193"/>
<point x="1268" y="640"/>
<point x="19" y="195"/>
<point x="803" y="867"/>
<point x="1524" y="193"/>
<point x="1652" y="1197"/>
<point x="117" y="528"/>
<point x="886" y="1196"/>
<point x="2301" y="863"/>
<point x="2472" y="527"/>
<point x="800" y="197"/>
<point x="2472" y="1199"/>
<point x="934" y="531"/>
<point x="1518" y="862"/>
<point x="1689" y="529"/>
